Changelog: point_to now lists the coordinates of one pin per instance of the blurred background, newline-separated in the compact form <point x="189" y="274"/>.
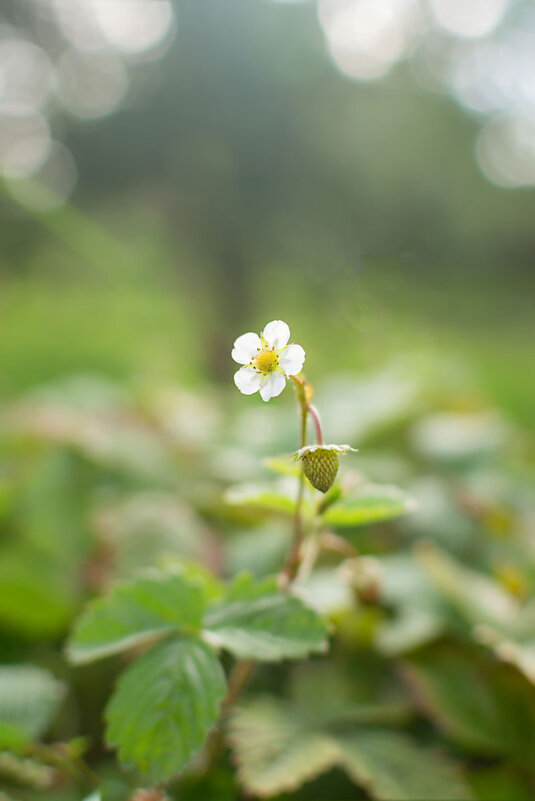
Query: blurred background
<point x="173" y="174"/>
<point x="176" y="173"/>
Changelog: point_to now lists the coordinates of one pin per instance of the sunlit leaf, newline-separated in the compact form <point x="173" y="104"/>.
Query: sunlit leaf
<point x="257" y="621"/>
<point x="411" y="628"/>
<point x="326" y="593"/>
<point x="135" y="612"/>
<point x="24" y="771"/>
<point x="283" y="465"/>
<point x="11" y="738"/>
<point x="273" y="751"/>
<point x="374" y="503"/>
<point x="519" y="654"/>
<point x="29" y="698"/>
<point x="277" y="750"/>
<point x="35" y="598"/>
<point x="164" y="706"/>
<point x="267" y="497"/>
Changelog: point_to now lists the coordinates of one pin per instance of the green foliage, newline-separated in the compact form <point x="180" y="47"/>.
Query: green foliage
<point x="165" y="705"/>
<point x="118" y="501"/>
<point x="497" y="783"/>
<point x="35" y="596"/>
<point x="134" y="613"/>
<point x="484" y="706"/>
<point x="371" y="504"/>
<point x="394" y="768"/>
<point x="256" y="621"/>
<point x="168" y="700"/>
<point x="475" y="596"/>
<point x="277" y="749"/>
<point x="26" y="772"/>
<point x="273" y="750"/>
<point x="263" y="497"/>
<point x="29" y="699"/>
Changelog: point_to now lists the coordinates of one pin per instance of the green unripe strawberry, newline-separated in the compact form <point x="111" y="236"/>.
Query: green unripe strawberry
<point x="321" y="467"/>
<point x="320" y="463"/>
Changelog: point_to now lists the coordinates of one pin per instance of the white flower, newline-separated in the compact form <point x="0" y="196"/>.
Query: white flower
<point x="268" y="360"/>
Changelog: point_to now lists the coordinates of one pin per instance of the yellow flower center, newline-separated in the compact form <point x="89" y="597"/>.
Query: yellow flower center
<point x="266" y="361"/>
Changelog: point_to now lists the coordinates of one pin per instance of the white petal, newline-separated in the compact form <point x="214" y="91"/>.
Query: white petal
<point x="247" y="380"/>
<point x="292" y="359"/>
<point x="272" y="386"/>
<point x="246" y="347"/>
<point x="276" y="334"/>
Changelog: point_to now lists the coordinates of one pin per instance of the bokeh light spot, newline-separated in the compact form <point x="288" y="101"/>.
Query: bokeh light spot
<point x="505" y="151"/>
<point x="367" y="37"/>
<point x="134" y="26"/>
<point x="91" y="85"/>
<point x="26" y="75"/>
<point x="469" y="18"/>
<point x="50" y="187"/>
<point x="24" y="144"/>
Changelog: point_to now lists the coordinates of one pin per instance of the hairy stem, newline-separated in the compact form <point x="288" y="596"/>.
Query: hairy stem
<point x="291" y="566"/>
<point x="317" y="423"/>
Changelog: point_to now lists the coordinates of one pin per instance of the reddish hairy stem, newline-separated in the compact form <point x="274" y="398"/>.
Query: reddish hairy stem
<point x="317" y="423"/>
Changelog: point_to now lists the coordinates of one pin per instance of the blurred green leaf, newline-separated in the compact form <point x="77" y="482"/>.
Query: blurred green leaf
<point x="274" y="752"/>
<point x="26" y="772"/>
<point x="352" y="697"/>
<point x="164" y="706"/>
<point x="498" y="783"/>
<point x="134" y="613"/>
<point x="374" y="503"/>
<point x="356" y="409"/>
<point x="460" y="439"/>
<point x="11" y="737"/>
<point x="260" y="550"/>
<point x="194" y="573"/>
<point x="420" y="614"/>
<point x="478" y="598"/>
<point x="36" y="599"/>
<point x="142" y="526"/>
<point x="519" y="654"/>
<point x="29" y="698"/>
<point x="257" y="621"/>
<point x="411" y="628"/>
<point x="283" y="465"/>
<point x="263" y="496"/>
<point x="393" y="768"/>
<point x="485" y="706"/>
<point x="515" y="645"/>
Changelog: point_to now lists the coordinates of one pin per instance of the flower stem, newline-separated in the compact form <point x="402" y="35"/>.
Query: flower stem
<point x="317" y="423"/>
<point x="291" y="566"/>
<point x="242" y="670"/>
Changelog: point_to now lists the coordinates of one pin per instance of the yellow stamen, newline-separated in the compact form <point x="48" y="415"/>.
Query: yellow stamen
<point x="266" y="361"/>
